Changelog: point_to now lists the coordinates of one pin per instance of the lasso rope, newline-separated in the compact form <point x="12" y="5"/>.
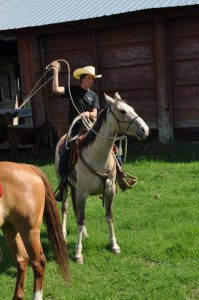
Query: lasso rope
<point x="33" y="91"/>
<point x="86" y="121"/>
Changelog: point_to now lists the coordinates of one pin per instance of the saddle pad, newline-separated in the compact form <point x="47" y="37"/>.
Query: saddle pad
<point x="1" y="190"/>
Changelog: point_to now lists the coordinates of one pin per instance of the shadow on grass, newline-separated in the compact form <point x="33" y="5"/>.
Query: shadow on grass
<point x="6" y="261"/>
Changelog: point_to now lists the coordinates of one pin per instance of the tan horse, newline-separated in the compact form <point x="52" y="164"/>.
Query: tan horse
<point x="94" y="172"/>
<point x="25" y="195"/>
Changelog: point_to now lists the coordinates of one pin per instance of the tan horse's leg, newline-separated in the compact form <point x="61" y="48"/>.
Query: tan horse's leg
<point x="109" y="219"/>
<point x="79" y="203"/>
<point x="20" y="256"/>
<point x="34" y="249"/>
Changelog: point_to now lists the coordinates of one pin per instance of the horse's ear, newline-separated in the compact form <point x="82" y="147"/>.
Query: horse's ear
<point x="117" y="96"/>
<point x="109" y="99"/>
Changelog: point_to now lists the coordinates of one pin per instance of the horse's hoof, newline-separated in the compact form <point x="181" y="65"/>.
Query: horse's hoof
<point x="79" y="260"/>
<point x="116" y="250"/>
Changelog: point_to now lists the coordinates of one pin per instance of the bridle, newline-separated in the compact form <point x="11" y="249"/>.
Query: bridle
<point x="127" y="122"/>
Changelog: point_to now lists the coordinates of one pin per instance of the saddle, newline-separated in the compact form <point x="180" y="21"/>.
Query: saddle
<point x="74" y="149"/>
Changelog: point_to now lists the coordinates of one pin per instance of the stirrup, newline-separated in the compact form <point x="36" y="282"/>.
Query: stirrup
<point x="125" y="184"/>
<point x="60" y="195"/>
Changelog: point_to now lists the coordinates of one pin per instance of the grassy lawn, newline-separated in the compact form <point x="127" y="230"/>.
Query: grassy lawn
<point x="157" y="228"/>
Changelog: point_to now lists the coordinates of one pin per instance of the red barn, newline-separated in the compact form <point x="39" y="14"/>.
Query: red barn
<point x="148" y="52"/>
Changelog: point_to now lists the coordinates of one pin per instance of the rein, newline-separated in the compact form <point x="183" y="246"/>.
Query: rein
<point x="104" y="176"/>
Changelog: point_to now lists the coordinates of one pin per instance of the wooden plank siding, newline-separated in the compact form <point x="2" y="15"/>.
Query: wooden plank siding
<point x="126" y="60"/>
<point x="184" y="41"/>
<point x="151" y="58"/>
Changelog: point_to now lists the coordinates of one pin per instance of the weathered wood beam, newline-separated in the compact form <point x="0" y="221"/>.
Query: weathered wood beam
<point x="163" y="81"/>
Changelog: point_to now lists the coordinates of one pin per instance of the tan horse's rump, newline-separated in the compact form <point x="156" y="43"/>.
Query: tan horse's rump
<point x="26" y="197"/>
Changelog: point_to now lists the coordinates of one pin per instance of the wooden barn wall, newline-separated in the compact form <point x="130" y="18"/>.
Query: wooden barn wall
<point x="126" y="60"/>
<point x="123" y="54"/>
<point x="184" y="47"/>
<point x="152" y="60"/>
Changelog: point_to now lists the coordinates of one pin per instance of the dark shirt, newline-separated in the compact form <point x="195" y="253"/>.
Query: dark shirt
<point x="84" y="100"/>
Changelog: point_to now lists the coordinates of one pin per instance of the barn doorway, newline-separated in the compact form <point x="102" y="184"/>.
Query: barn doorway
<point x="9" y="73"/>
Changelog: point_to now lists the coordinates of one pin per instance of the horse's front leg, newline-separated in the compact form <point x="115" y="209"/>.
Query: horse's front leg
<point x="109" y="197"/>
<point x="79" y="203"/>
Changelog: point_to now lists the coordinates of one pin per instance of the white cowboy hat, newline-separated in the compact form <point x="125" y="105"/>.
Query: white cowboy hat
<point x="89" y="70"/>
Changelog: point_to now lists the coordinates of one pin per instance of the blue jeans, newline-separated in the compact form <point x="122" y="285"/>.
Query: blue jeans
<point x="65" y="153"/>
<point x="64" y="159"/>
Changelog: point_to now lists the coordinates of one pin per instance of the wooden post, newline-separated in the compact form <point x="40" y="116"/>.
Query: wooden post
<point x="38" y="102"/>
<point x="163" y="81"/>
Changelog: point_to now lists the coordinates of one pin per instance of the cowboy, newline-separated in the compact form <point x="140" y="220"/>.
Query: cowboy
<point x="84" y="99"/>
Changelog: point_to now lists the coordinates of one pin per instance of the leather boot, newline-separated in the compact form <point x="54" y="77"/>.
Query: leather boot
<point x="125" y="180"/>
<point x="62" y="186"/>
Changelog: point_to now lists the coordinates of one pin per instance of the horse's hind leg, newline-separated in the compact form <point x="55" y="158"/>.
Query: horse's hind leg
<point x="64" y="209"/>
<point x="79" y="202"/>
<point x="109" y="219"/>
<point x="34" y="249"/>
<point x="19" y="254"/>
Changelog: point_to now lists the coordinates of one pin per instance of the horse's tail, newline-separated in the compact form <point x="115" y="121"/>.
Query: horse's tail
<point x="54" y="227"/>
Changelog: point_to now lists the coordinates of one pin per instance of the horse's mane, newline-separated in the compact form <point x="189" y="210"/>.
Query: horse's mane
<point x="91" y="136"/>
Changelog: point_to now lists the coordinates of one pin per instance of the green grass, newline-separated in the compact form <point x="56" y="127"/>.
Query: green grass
<point x="157" y="228"/>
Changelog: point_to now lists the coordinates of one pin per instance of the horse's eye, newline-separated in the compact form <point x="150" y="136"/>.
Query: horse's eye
<point x="122" y="111"/>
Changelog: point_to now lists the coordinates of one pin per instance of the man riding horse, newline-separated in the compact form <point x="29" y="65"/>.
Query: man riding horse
<point x="86" y="101"/>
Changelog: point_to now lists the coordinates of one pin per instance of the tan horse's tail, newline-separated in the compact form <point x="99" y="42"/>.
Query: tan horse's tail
<point x="54" y="227"/>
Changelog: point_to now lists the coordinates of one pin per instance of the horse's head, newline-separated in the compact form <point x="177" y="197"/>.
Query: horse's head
<point x="126" y="121"/>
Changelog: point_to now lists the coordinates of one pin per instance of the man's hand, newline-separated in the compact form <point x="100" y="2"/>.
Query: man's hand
<point x="86" y="114"/>
<point x="56" y="66"/>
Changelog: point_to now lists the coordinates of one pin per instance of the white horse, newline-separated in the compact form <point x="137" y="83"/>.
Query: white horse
<point x="94" y="172"/>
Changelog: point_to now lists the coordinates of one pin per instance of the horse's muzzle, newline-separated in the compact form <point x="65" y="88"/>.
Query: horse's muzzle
<point x="143" y="133"/>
